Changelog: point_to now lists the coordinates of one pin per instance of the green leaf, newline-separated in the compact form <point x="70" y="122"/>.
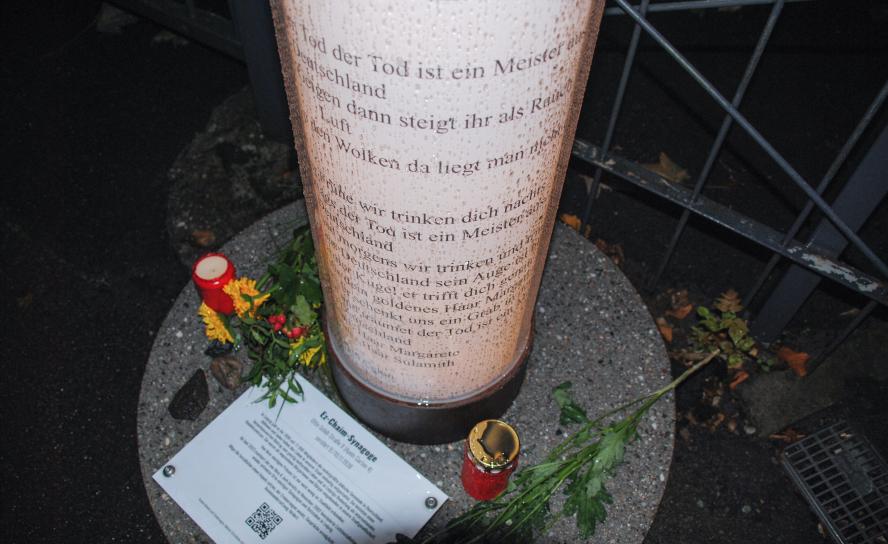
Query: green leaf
<point x="605" y="498"/>
<point x="712" y="325"/>
<point x="294" y="356"/>
<point x="611" y="449"/>
<point x="302" y="310"/>
<point x="593" y="486"/>
<point x="588" y="508"/>
<point x="735" y="360"/>
<point x="311" y="290"/>
<point x="571" y="412"/>
<point x="540" y="472"/>
<point x="280" y="342"/>
<point x="284" y="395"/>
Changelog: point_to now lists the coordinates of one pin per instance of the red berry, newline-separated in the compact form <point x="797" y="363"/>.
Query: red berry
<point x="298" y="331"/>
<point x="277" y="326"/>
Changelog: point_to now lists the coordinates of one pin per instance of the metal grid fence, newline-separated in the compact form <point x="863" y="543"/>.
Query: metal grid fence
<point x="818" y="257"/>
<point x="208" y="22"/>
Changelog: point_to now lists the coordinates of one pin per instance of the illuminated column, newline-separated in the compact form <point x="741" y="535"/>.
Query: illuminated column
<point x="433" y="137"/>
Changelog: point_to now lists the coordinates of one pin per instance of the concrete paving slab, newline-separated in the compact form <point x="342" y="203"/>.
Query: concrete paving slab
<point x="779" y="399"/>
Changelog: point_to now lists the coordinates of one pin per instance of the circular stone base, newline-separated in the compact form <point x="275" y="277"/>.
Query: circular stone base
<point x="435" y="423"/>
<point x="591" y="328"/>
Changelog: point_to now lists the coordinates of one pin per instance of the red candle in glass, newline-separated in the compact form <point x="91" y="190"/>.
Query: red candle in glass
<point x="210" y="274"/>
<point x="491" y="456"/>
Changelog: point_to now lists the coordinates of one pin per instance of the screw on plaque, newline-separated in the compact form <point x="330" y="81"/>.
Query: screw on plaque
<point x="169" y="470"/>
<point x="431" y="502"/>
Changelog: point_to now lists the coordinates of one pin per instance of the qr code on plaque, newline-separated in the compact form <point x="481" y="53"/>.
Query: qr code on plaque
<point x="264" y="520"/>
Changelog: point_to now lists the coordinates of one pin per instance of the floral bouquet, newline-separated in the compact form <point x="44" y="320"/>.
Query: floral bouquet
<point x="276" y="319"/>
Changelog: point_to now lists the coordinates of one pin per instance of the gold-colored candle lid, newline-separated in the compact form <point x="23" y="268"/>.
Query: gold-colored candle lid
<point x="493" y="443"/>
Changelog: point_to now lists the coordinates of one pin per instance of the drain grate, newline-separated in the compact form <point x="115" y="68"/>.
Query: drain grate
<point x="845" y="481"/>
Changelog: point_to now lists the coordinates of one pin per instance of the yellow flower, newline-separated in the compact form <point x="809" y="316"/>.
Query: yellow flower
<point x="308" y="354"/>
<point x="295" y="345"/>
<point x="305" y="358"/>
<point x="215" y="327"/>
<point x="244" y="286"/>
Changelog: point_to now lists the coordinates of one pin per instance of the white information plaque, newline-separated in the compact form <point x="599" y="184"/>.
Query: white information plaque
<point x="307" y="473"/>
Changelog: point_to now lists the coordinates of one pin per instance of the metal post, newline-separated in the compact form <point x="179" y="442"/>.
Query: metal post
<point x="766" y="146"/>
<point x="866" y="187"/>
<point x="663" y="7"/>
<point x="839" y="338"/>
<point x="821" y="188"/>
<point x="720" y="137"/>
<point x="615" y="113"/>
<point x="252" y="22"/>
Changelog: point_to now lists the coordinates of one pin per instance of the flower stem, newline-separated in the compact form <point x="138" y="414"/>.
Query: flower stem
<point x="517" y="508"/>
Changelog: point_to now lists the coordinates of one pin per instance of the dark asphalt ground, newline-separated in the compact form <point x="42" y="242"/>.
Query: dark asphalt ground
<point x="92" y="122"/>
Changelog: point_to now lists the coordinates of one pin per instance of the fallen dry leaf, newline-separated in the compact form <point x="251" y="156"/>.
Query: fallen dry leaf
<point x="589" y="181"/>
<point x="678" y="298"/>
<point x="714" y="423"/>
<point x="666" y="168"/>
<point x="789" y="436"/>
<point x="692" y="356"/>
<point x="680" y="312"/>
<point x="713" y="390"/>
<point x="687" y="357"/>
<point x="732" y="425"/>
<point x="169" y="38"/>
<point x="729" y="301"/>
<point x="739" y="378"/>
<point x="203" y="238"/>
<point x="665" y="329"/>
<point x="614" y="251"/>
<point x="797" y="360"/>
<point x="24" y="302"/>
<point x="571" y="221"/>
